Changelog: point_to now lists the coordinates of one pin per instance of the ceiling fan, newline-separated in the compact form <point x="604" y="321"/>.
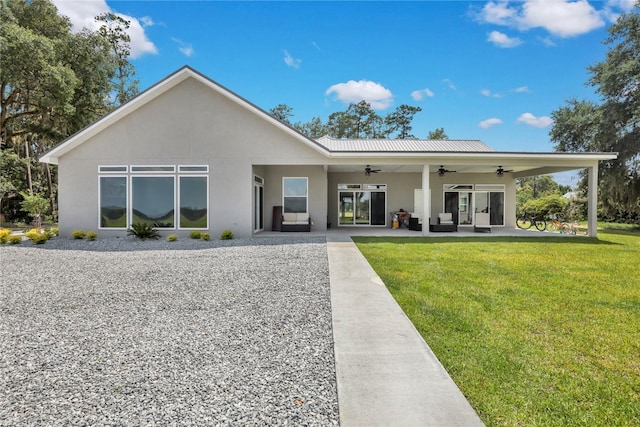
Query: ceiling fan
<point x="501" y="171"/>
<point x="368" y="170"/>
<point x="442" y="170"/>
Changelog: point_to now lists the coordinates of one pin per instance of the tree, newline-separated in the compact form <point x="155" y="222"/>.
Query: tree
<point x="282" y="112"/>
<point x="437" y="134"/>
<point x="612" y="124"/>
<point x="36" y="206"/>
<point x="399" y="121"/>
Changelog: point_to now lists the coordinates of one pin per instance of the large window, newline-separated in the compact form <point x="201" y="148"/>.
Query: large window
<point x="113" y="201"/>
<point x="294" y="194"/>
<point x="153" y="200"/>
<point x="148" y="194"/>
<point x="193" y="202"/>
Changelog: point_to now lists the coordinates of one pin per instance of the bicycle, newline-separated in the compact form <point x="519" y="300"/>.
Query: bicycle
<point x="559" y="225"/>
<point x="526" y="221"/>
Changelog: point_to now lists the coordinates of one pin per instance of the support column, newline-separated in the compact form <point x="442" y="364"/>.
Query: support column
<point x="426" y="200"/>
<point x="592" y="201"/>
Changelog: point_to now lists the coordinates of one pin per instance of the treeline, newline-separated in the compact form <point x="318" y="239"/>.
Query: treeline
<point x="53" y="83"/>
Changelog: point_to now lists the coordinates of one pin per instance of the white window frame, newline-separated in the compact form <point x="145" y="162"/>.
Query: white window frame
<point x="127" y="207"/>
<point x="162" y="169"/>
<point x="195" y="169"/>
<point x="179" y="198"/>
<point x="175" y="196"/>
<point x="306" y="178"/>
<point x="104" y="169"/>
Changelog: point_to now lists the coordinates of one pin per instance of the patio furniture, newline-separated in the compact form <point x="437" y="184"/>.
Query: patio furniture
<point x="482" y="223"/>
<point x="445" y="223"/>
<point x="292" y="221"/>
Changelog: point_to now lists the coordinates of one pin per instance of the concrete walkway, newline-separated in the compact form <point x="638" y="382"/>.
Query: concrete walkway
<point x="387" y="375"/>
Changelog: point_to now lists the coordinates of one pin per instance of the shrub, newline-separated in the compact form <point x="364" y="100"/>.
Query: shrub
<point x="92" y="235"/>
<point x="52" y="231"/>
<point x="14" y="239"/>
<point x="39" y="238"/>
<point x="195" y="234"/>
<point x="205" y="236"/>
<point x="78" y="234"/>
<point x="142" y="230"/>
<point x="4" y="234"/>
<point x="226" y="235"/>
<point x="172" y="237"/>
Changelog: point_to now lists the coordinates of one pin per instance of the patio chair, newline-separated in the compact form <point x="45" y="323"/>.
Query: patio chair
<point x="483" y="222"/>
<point x="445" y="218"/>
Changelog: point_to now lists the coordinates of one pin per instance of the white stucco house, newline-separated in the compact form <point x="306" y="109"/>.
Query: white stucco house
<point x="190" y="154"/>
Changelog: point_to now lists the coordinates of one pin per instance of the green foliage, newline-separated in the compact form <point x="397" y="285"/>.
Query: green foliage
<point x="4" y="234"/>
<point x="14" y="239"/>
<point x="143" y="231"/>
<point x="52" y="231"/>
<point x="610" y="125"/>
<point x="226" y="235"/>
<point x="439" y="133"/>
<point x="39" y="238"/>
<point x="36" y="205"/>
<point x="91" y="235"/>
<point x="359" y="120"/>
<point x="172" y="237"/>
<point x="195" y="234"/>
<point x="547" y="205"/>
<point x="78" y="234"/>
<point x="205" y="236"/>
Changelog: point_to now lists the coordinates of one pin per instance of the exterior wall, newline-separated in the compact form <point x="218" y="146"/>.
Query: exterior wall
<point x="188" y="125"/>
<point x="317" y="196"/>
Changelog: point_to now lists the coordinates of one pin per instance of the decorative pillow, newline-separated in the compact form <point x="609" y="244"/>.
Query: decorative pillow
<point x="289" y="217"/>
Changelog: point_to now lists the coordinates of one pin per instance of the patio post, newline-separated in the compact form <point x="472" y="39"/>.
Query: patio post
<point x="426" y="200"/>
<point x="592" y="201"/>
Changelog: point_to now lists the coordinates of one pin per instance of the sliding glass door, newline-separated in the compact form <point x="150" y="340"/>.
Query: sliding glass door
<point x="361" y="206"/>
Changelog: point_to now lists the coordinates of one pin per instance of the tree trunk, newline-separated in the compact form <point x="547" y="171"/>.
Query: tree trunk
<point x="26" y="153"/>
<point x="52" y="201"/>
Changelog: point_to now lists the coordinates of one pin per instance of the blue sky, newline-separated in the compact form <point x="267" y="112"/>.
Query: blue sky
<point x="492" y="71"/>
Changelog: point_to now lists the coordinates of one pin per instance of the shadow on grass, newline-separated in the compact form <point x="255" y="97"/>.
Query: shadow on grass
<point x="578" y="240"/>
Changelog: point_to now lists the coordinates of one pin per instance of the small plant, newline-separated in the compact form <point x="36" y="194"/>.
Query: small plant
<point x="39" y="238"/>
<point x="14" y="239"/>
<point x="143" y="230"/>
<point x="4" y="234"/>
<point x="52" y="232"/>
<point x="205" y="236"/>
<point x="172" y="237"/>
<point x="92" y="235"/>
<point x="226" y="235"/>
<point x="195" y="234"/>
<point x="78" y="234"/>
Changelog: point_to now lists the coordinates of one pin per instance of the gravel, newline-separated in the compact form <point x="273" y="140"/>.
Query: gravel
<point x="124" y="332"/>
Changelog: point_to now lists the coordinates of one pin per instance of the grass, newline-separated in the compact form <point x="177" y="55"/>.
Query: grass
<point x="535" y="331"/>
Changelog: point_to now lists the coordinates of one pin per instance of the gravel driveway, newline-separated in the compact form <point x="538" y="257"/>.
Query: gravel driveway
<point x="122" y="332"/>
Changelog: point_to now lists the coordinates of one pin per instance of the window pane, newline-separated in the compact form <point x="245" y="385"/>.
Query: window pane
<point x="193" y="202"/>
<point x="295" y="204"/>
<point x="153" y="168"/>
<point x="295" y="187"/>
<point x="153" y="200"/>
<point x="113" y="202"/>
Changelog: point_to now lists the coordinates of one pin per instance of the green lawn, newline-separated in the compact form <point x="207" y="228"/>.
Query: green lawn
<point x="535" y="331"/>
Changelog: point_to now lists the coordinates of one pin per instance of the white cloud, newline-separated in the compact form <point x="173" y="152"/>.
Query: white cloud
<point x="522" y="89"/>
<point x="418" y="95"/>
<point x="375" y="94"/>
<point x="531" y="120"/>
<point x="561" y="18"/>
<point x="503" y="40"/>
<point x="449" y="84"/>
<point x="185" y="48"/>
<point x="291" y="61"/>
<point x="82" y="15"/>
<point x="147" y="21"/>
<point x="486" y="124"/>
<point x="489" y="94"/>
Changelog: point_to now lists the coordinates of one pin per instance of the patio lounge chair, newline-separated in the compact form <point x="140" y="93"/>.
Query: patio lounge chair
<point x="445" y="223"/>
<point x="483" y="222"/>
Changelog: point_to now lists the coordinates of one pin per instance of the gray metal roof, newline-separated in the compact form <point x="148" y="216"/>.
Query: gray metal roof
<point x="403" y="145"/>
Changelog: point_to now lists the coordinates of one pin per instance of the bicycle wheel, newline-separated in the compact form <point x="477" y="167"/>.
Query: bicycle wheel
<point x="568" y="229"/>
<point x="540" y="224"/>
<point x="523" y="223"/>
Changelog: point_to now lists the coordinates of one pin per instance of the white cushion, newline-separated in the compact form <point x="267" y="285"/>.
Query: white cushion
<point x="482" y="219"/>
<point x="445" y="216"/>
<point x="302" y="217"/>
<point x="289" y="217"/>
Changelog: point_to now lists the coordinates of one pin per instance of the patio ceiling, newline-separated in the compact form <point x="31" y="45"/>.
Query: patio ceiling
<point x="517" y="170"/>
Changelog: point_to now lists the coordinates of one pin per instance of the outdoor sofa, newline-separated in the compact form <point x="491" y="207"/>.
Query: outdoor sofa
<point x="300" y="221"/>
